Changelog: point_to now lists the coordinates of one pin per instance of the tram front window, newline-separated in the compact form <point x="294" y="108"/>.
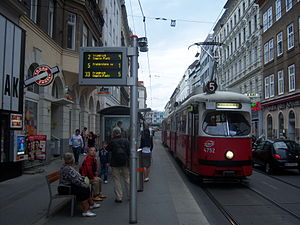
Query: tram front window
<point x="226" y="124"/>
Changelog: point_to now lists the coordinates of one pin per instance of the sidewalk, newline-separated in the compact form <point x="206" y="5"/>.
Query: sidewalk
<point x="164" y="201"/>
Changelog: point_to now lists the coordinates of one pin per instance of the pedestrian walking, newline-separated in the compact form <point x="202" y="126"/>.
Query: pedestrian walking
<point x="146" y="146"/>
<point x="89" y="169"/>
<point x="71" y="179"/>
<point x="76" y="142"/>
<point x="119" y="150"/>
<point x="104" y="158"/>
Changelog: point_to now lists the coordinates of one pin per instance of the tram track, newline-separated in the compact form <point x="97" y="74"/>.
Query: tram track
<point x="276" y="178"/>
<point x="222" y="209"/>
<point x="230" y="217"/>
<point x="272" y="201"/>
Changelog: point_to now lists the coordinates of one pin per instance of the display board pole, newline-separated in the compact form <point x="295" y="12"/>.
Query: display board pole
<point x="133" y="131"/>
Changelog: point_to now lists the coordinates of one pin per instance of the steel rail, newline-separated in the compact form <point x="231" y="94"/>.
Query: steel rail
<point x="276" y="178"/>
<point x="272" y="201"/>
<point x="227" y="215"/>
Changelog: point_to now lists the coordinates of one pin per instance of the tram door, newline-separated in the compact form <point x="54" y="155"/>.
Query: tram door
<point x="192" y="141"/>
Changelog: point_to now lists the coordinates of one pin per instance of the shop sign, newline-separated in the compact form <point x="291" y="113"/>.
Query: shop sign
<point x="42" y="75"/>
<point x="293" y="104"/>
<point x="105" y="91"/>
<point x="256" y="106"/>
<point x="16" y="121"/>
<point x="11" y="61"/>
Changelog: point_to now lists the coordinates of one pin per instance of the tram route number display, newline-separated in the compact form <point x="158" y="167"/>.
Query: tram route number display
<point x="102" y="65"/>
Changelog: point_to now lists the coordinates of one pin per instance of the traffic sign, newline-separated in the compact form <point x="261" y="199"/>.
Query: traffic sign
<point x="105" y="66"/>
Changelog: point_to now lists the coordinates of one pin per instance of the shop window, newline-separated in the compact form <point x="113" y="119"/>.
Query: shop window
<point x="291" y="126"/>
<point x="281" y="125"/>
<point x="31" y="114"/>
<point x="269" y="127"/>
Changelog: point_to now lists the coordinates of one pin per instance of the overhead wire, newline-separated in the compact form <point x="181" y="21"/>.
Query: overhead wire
<point x="132" y="16"/>
<point x="148" y="58"/>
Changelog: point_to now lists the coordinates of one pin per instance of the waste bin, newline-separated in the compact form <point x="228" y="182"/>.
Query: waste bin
<point x="140" y="171"/>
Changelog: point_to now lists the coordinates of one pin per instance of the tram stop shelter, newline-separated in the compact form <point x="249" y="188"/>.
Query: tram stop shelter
<point x="116" y="116"/>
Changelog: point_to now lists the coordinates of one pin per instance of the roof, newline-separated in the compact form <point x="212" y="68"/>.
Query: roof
<point x="115" y="110"/>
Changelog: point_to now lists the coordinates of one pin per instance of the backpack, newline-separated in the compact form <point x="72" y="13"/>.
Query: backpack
<point x="120" y="157"/>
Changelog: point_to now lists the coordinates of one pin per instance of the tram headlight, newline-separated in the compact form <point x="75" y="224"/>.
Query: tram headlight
<point x="229" y="154"/>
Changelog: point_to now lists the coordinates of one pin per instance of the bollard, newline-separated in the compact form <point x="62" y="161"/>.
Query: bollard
<point x="140" y="171"/>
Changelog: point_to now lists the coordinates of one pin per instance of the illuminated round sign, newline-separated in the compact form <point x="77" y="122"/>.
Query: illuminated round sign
<point x="211" y="87"/>
<point x="45" y="80"/>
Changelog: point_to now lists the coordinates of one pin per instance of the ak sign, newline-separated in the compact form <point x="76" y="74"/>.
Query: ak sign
<point x="11" y="65"/>
<point x="103" y="66"/>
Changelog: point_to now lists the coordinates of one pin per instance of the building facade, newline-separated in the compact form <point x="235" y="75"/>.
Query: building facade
<point x="281" y="68"/>
<point x="12" y="44"/>
<point x="240" y="67"/>
<point x="142" y="95"/>
<point x="55" y="30"/>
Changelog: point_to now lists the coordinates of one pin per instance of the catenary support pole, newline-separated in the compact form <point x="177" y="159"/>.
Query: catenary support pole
<point x="133" y="132"/>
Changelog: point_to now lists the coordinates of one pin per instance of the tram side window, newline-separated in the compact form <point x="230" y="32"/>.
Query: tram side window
<point x="183" y="124"/>
<point x="215" y="124"/>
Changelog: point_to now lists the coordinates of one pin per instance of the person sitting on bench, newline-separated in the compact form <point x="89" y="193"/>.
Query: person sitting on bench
<point x="70" y="178"/>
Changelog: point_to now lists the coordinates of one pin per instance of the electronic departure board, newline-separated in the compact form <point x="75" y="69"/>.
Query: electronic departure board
<point x="103" y="66"/>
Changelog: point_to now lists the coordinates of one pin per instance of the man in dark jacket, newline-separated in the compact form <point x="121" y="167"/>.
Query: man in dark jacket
<point x="120" y="151"/>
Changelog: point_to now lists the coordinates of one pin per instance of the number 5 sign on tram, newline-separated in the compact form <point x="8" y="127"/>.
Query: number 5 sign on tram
<point x="211" y="87"/>
<point x="42" y="75"/>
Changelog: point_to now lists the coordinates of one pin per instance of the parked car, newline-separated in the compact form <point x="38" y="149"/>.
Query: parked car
<point x="274" y="154"/>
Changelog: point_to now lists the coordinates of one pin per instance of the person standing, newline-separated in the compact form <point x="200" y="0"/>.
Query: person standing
<point x="120" y="151"/>
<point x="84" y="136"/>
<point x="91" y="139"/>
<point x="77" y="144"/>
<point x="89" y="169"/>
<point x="104" y="161"/>
<point x="146" y="146"/>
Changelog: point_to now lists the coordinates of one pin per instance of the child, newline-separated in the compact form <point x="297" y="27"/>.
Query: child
<point x="104" y="161"/>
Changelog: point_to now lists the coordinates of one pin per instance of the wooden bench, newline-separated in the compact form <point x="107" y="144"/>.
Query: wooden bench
<point x="52" y="178"/>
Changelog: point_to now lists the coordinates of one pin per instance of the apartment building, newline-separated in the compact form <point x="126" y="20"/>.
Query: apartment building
<point x="240" y="67"/>
<point x="281" y="68"/>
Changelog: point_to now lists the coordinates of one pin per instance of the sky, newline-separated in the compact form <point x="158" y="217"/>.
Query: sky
<point x="169" y="57"/>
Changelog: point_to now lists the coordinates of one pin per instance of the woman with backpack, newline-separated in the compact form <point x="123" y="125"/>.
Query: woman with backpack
<point x="146" y="146"/>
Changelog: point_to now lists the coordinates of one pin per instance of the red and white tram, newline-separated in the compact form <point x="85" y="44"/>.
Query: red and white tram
<point x="211" y="134"/>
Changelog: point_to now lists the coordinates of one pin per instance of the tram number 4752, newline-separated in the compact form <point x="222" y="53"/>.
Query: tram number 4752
<point x="209" y="150"/>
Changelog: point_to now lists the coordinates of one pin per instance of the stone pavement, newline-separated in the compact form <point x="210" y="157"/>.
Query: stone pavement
<point x="164" y="201"/>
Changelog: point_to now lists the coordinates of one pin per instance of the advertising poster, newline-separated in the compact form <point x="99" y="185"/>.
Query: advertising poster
<point x="122" y="122"/>
<point x="37" y="147"/>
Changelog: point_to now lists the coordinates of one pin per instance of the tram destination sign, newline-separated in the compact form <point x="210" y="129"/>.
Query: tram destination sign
<point x="103" y="66"/>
